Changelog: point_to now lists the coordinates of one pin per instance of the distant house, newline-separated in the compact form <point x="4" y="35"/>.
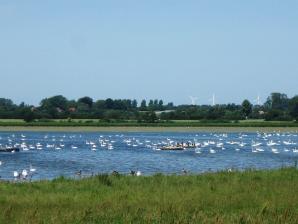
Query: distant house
<point x="164" y="111"/>
<point x="72" y="109"/>
<point x="59" y="110"/>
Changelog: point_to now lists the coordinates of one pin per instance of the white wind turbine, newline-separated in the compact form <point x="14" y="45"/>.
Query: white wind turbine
<point x="258" y="100"/>
<point x="193" y="100"/>
<point x="213" y="99"/>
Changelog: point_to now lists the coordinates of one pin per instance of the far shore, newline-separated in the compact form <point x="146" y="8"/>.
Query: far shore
<point x="149" y="129"/>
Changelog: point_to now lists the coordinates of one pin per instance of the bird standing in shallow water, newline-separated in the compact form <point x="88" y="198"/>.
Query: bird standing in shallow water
<point x="32" y="169"/>
<point x="79" y="173"/>
<point x="135" y="173"/>
<point x="24" y="174"/>
<point x="16" y="174"/>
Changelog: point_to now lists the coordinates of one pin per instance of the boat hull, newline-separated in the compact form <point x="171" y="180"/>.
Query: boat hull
<point x="172" y="148"/>
<point x="9" y="149"/>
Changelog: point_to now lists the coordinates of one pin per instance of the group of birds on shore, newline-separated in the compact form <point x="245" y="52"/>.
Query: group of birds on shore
<point x="23" y="174"/>
<point x="114" y="173"/>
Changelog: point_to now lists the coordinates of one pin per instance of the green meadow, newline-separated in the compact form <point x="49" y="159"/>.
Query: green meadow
<point x="267" y="196"/>
<point x="134" y="123"/>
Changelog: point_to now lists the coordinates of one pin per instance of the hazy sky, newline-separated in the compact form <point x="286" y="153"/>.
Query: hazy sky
<point x="148" y="49"/>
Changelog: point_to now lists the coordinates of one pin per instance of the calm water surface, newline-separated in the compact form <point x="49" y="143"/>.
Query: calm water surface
<point x="56" y="153"/>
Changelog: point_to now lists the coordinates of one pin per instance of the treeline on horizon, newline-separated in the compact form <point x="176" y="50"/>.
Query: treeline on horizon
<point x="278" y="107"/>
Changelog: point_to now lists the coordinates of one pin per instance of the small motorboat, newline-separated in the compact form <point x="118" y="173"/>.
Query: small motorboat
<point x="9" y="149"/>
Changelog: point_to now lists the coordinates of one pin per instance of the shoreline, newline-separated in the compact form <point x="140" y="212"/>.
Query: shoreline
<point x="147" y="129"/>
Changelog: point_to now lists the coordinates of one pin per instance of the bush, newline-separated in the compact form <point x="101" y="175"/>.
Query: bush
<point x="29" y="116"/>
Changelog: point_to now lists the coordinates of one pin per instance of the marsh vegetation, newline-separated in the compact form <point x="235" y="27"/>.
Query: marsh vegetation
<point x="224" y="197"/>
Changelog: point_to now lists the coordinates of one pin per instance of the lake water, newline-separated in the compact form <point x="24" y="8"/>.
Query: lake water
<point x="54" y="154"/>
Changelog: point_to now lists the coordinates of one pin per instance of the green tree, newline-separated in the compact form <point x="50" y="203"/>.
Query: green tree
<point x="121" y="105"/>
<point x="109" y="103"/>
<point x="82" y="107"/>
<point x="127" y="104"/>
<point x="143" y="105"/>
<point x="100" y="104"/>
<point x="55" y="102"/>
<point x="160" y="105"/>
<point x="215" y="113"/>
<point x="55" y="106"/>
<point x="293" y="104"/>
<point x="273" y="114"/>
<point x="86" y="100"/>
<point x="151" y="105"/>
<point x="28" y="115"/>
<point x="6" y="104"/>
<point x="134" y="104"/>
<point x="246" y="108"/>
<point x="277" y="101"/>
<point x="155" y="104"/>
<point x="149" y="117"/>
<point x="170" y="106"/>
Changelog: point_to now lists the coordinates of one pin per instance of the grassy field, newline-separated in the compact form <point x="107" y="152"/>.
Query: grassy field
<point x="78" y="125"/>
<point x="132" y="123"/>
<point x="236" y="197"/>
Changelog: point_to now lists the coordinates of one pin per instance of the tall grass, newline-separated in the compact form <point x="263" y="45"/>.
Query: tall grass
<point x="237" y="197"/>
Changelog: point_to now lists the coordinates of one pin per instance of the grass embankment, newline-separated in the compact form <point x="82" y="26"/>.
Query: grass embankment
<point x="133" y="123"/>
<point x="237" y="197"/>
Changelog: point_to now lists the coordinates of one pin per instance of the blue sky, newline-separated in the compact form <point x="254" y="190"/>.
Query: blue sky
<point x="148" y="49"/>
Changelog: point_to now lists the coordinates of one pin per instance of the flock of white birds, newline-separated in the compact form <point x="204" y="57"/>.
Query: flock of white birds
<point x="204" y="143"/>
